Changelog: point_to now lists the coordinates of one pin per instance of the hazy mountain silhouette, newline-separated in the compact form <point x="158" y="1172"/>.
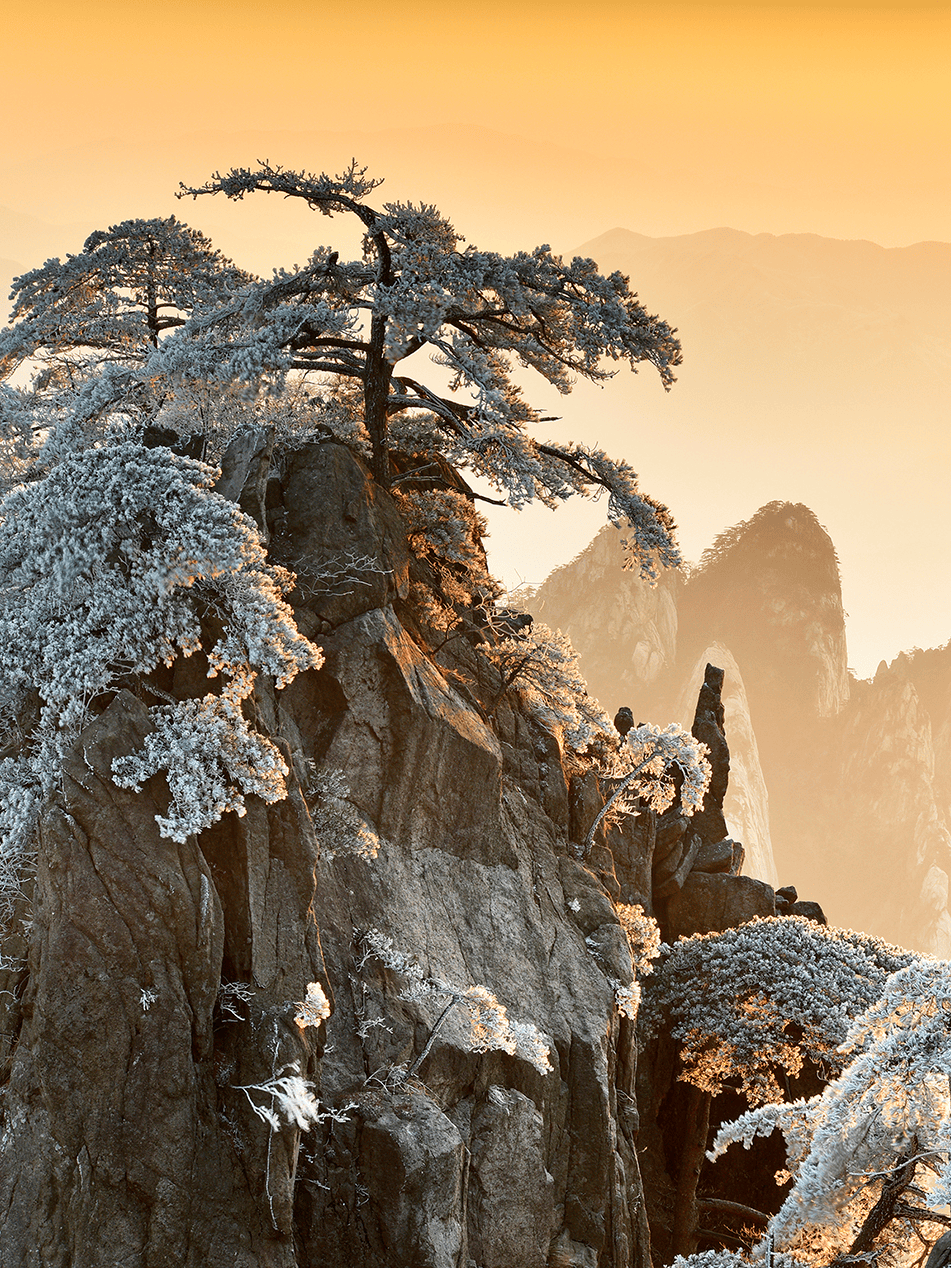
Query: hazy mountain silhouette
<point x="800" y="306"/>
<point x="857" y="773"/>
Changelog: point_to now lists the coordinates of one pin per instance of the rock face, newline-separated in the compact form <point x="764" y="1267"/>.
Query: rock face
<point x="112" y="1141"/>
<point x="158" y="1028"/>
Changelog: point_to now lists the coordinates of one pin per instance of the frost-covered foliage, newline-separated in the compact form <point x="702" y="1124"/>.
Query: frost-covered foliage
<point x="888" y="1109"/>
<point x="291" y="1101"/>
<point x="112" y="565"/>
<point x="314" y="1008"/>
<point x="211" y="758"/>
<point x="339" y="826"/>
<point x="627" y="998"/>
<point x="114" y="299"/>
<point x="762" y="998"/>
<point x="489" y="1023"/>
<point x="643" y="939"/>
<point x="734" y="1259"/>
<point x="654" y="765"/>
<point x="542" y="666"/>
<point x="643" y="936"/>
<point x="478" y="314"/>
<point x="217" y="412"/>
<point x="445" y="529"/>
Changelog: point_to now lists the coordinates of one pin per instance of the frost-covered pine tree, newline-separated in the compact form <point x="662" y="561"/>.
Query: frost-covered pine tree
<point x="417" y="288"/>
<point x="120" y="560"/>
<point x="870" y="1157"/>
<point x="83" y="329"/>
<point x="116" y="298"/>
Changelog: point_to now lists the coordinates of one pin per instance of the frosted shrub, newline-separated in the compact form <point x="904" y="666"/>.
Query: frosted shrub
<point x="489" y="1025"/>
<point x="766" y="996"/>
<point x="444" y="524"/>
<point x="108" y="568"/>
<point x="339" y="826"/>
<point x="444" y="528"/>
<point x="210" y="756"/>
<point x="291" y="1101"/>
<point x="734" y="1259"/>
<point x="314" y="1008"/>
<point x="642" y="933"/>
<point x="627" y="999"/>
<point x="643" y="768"/>
<point x="543" y="666"/>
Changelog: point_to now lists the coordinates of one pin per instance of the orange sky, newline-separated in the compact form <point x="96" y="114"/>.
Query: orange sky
<point x="524" y="122"/>
<point x="832" y="118"/>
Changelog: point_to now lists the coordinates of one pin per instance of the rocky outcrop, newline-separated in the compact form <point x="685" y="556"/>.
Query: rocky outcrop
<point x="625" y="633"/>
<point x="152" y="1115"/>
<point x="769" y="590"/>
<point x="746" y="802"/>
<point x="428" y="875"/>
<point x="710" y="894"/>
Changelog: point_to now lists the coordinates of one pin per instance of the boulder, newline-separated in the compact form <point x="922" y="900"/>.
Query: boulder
<point x="712" y="902"/>
<point x="812" y="911"/>
<point x="716" y="857"/>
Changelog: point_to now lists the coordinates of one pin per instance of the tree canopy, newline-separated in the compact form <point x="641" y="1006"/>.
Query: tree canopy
<point x="869" y="1158"/>
<point x="114" y="299"/>
<point x="750" y="1003"/>
<point x="415" y="289"/>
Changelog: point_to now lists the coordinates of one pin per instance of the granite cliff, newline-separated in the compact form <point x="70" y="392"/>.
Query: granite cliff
<point x="164" y="1000"/>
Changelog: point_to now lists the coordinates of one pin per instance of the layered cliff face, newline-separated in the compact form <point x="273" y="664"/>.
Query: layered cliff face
<point x="424" y="872"/>
<point x="879" y="830"/>
<point x="858" y="774"/>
